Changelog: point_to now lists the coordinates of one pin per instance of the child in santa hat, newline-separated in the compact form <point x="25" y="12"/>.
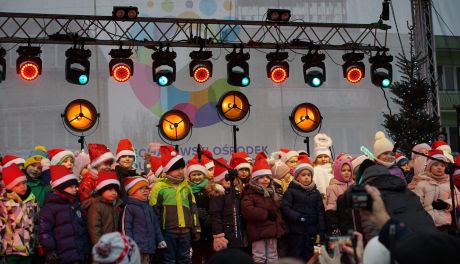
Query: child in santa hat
<point x="125" y="158"/>
<point x="33" y="168"/>
<point x="322" y="163"/>
<point x="101" y="160"/>
<point x="206" y="160"/>
<point x="224" y="214"/>
<point x="104" y="209"/>
<point x="261" y="209"/>
<point x="240" y="163"/>
<point x="139" y="219"/>
<point x="384" y="155"/>
<point x="18" y="215"/>
<point x="62" y="230"/>
<point x="303" y="211"/>
<point x="173" y="199"/>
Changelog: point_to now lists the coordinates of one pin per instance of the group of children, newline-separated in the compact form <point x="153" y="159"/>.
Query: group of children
<point x="57" y="205"/>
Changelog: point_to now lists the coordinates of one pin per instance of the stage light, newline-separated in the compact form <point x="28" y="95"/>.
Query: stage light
<point x="2" y="64"/>
<point x="80" y="115"/>
<point x="238" y="68"/>
<point x="29" y="64"/>
<point x="125" y="12"/>
<point x="200" y="66"/>
<point x="121" y="67"/>
<point x="77" y="65"/>
<point x="233" y="106"/>
<point x="164" y="67"/>
<point x="305" y="117"/>
<point x="381" y="70"/>
<point x="314" y="69"/>
<point x="174" y="125"/>
<point x="278" y="15"/>
<point x="277" y="67"/>
<point x="353" y="68"/>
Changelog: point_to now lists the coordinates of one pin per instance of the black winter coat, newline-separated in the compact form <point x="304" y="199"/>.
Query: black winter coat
<point x="202" y="207"/>
<point x="298" y="202"/>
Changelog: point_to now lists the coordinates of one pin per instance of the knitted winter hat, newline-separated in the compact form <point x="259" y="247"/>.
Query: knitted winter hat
<point x="36" y="156"/>
<point x="58" y="155"/>
<point x="382" y="144"/>
<point x="219" y="171"/>
<point x="194" y="165"/>
<point x="303" y="164"/>
<point x="344" y="156"/>
<point x="279" y="168"/>
<point x="132" y="184"/>
<point x="239" y="161"/>
<point x="422" y="147"/>
<point x="322" y="144"/>
<point x="12" y="175"/>
<point x="124" y="148"/>
<point x="401" y="160"/>
<point x="287" y="154"/>
<point x="261" y="167"/>
<point x="437" y="154"/>
<point x="99" y="154"/>
<point x="337" y="168"/>
<point x="170" y="159"/>
<point x="106" y="178"/>
<point x="116" y="248"/>
<point x="61" y="177"/>
<point x="10" y="159"/>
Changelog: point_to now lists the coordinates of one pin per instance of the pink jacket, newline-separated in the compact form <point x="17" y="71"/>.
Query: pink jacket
<point x="333" y="191"/>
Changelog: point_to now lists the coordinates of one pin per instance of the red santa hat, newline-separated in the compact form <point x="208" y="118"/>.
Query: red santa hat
<point x="170" y="159"/>
<point x="134" y="183"/>
<point x="155" y="166"/>
<point x="219" y="171"/>
<point x="124" y="148"/>
<point x="106" y="178"/>
<point x="205" y="161"/>
<point x="437" y="154"/>
<point x="303" y="164"/>
<point x="57" y="155"/>
<point x="239" y="161"/>
<point x="441" y="145"/>
<point x="99" y="153"/>
<point x="10" y="159"/>
<point x="287" y="154"/>
<point x="62" y="176"/>
<point x="261" y="167"/>
<point x="194" y="165"/>
<point x="13" y="175"/>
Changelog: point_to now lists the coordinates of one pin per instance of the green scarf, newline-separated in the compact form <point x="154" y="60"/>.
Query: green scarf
<point x="198" y="187"/>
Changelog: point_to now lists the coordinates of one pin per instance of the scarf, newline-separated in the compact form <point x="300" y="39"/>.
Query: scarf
<point x="198" y="187"/>
<point x="267" y="192"/>
<point x="174" y="180"/>
<point x="384" y="163"/>
<point x="306" y="188"/>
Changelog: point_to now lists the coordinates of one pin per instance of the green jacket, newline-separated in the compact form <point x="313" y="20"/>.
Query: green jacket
<point x="175" y="204"/>
<point x="38" y="189"/>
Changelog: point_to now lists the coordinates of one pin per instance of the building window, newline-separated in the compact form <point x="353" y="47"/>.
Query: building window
<point x="452" y="137"/>
<point x="449" y="78"/>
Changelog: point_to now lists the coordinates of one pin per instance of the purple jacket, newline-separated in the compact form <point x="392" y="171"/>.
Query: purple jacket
<point x="396" y="171"/>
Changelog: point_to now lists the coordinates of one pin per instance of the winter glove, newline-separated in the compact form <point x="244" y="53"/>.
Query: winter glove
<point x="52" y="258"/>
<point x="162" y="244"/>
<point x="271" y="216"/>
<point x="219" y="242"/>
<point x="440" y="205"/>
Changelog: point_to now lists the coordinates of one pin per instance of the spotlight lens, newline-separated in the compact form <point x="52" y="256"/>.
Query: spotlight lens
<point x="386" y="82"/>
<point x="83" y="79"/>
<point x="121" y="73"/>
<point x="29" y="71"/>
<point x="245" y="81"/>
<point x="354" y="75"/>
<point x="163" y="80"/>
<point x="201" y="74"/>
<point x="316" y="81"/>
<point x="278" y="75"/>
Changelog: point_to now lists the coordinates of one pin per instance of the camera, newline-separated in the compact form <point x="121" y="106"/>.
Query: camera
<point x="357" y="197"/>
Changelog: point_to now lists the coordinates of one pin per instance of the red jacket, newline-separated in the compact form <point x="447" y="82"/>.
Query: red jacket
<point x="87" y="187"/>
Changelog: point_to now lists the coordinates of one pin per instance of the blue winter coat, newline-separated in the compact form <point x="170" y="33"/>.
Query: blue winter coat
<point x="140" y="222"/>
<point x="62" y="229"/>
<point x="298" y="202"/>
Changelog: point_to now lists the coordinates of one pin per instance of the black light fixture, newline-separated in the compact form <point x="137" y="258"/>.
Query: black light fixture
<point x="200" y="66"/>
<point x="125" y="12"/>
<point x="238" y="68"/>
<point x="77" y="65"/>
<point x="385" y="15"/>
<point x="164" y="67"/>
<point x="353" y="67"/>
<point x="29" y="64"/>
<point x="277" y="66"/>
<point x="2" y="64"/>
<point x="121" y="67"/>
<point x="314" y="69"/>
<point x="381" y="70"/>
<point x="279" y="15"/>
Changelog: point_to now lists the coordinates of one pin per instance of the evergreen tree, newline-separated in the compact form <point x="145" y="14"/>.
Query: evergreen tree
<point x="414" y="123"/>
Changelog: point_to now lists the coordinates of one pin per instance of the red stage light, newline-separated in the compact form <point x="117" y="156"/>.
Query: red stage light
<point x="121" y="72"/>
<point x="354" y="75"/>
<point x="278" y="74"/>
<point x="29" y="71"/>
<point x="201" y="74"/>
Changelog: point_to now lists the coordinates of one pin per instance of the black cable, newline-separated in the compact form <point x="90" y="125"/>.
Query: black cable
<point x="397" y="29"/>
<point x="386" y="99"/>
<point x="443" y="21"/>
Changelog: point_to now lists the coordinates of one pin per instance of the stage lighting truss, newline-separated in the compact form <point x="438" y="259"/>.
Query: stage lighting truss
<point x="121" y="67"/>
<point x="314" y="69"/>
<point x="29" y="64"/>
<point x="353" y="67"/>
<point x="201" y="66"/>
<point x="381" y="70"/>
<point x="238" y="68"/>
<point x="277" y="66"/>
<point x="2" y="64"/>
<point x="77" y="65"/>
<point x="164" y="67"/>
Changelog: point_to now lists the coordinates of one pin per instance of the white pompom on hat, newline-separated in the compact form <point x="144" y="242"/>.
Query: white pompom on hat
<point x="382" y="144"/>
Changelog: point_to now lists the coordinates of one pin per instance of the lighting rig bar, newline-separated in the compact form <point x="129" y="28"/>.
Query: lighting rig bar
<point x="182" y="32"/>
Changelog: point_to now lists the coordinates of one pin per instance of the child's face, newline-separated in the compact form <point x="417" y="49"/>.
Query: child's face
<point x="304" y="177"/>
<point x="264" y="181"/>
<point x="34" y="170"/>
<point x="346" y="172"/>
<point x="438" y="168"/>
<point x="142" y="193"/>
<point x="387" y="156"/>
<point x="110" y="195"/>
<point x="196" y="177"/>
<point x="126" y="161"/>
<point x="292" y="162"/>
<point x="178" y="174"/>
<point x="322" y="159"/>
<point x="105" y="166"/>
<point x="243" y="173"/>
<point x="72" y="190"/>
<point x="20" y="188"/>
<point x="211" y="173"/>
<point x="68" y="163"/>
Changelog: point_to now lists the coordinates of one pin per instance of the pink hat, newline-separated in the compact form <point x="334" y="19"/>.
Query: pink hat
<point x="13" y="175"/>
<point x="435" y="153"/>
<point x="303" y="164"/>
<point x="124" y="148"/>
<point x="261" y="167"/>
<point x="337" y="167"/>
<point x="194" y="165"/>
<point x="279" y="169"/>
<point x="57" y="155"/>
<point x="219" y="171"/>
